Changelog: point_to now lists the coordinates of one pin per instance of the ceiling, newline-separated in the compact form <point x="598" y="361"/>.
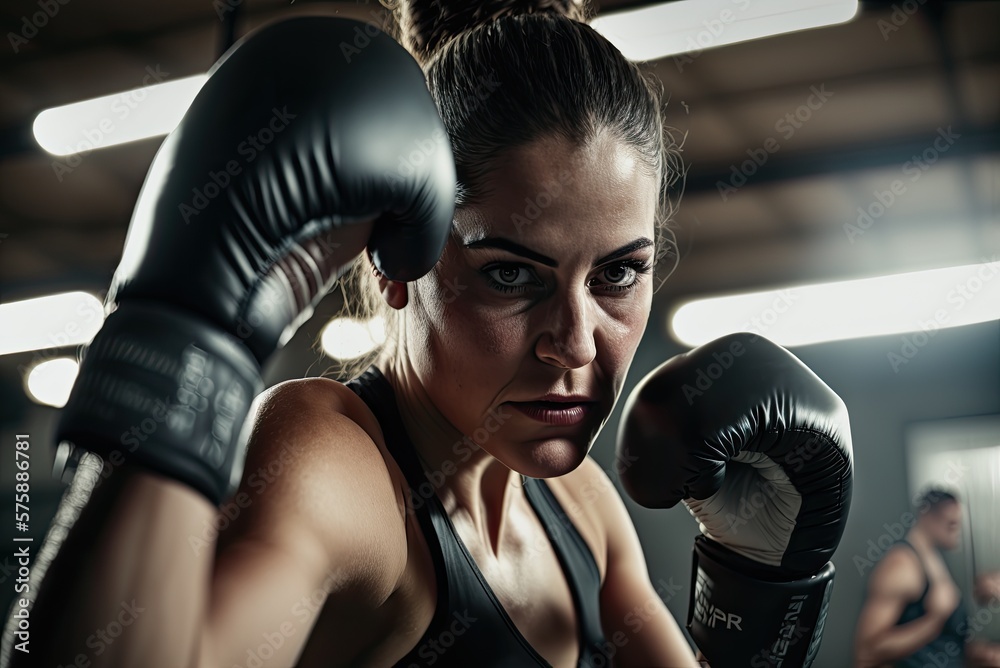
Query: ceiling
<point x="892" y="84"/>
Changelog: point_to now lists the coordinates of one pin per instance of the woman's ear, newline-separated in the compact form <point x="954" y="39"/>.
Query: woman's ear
<point x="394" y="292"/>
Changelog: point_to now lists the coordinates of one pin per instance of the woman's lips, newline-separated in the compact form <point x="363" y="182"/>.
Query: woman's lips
<point x="552" y="412"/>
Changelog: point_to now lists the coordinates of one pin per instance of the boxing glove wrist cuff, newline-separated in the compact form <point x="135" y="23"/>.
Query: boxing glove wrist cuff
<point x="163" y="389"/>
<point x="741" y="619"/>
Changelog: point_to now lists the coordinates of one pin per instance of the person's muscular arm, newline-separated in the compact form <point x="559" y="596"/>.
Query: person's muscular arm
<point x="633" y="616"/>
<point x="318" y="524"/>
<point x="322" y="522"/>
<point x="895" y="582"/>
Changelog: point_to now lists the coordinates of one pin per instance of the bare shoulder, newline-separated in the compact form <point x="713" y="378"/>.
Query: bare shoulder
<point x="898" y="573"/>
<point x="312" y="459"/>
<point x="325" y="419"/>
<point x="591" y="500"/>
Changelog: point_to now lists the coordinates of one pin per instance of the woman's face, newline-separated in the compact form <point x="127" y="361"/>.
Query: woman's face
<point x="543" y="288"/>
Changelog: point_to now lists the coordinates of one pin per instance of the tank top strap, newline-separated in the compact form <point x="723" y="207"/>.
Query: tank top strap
<point x="577" y="562"/>
<point x="460" y="585"/>
<point x="923" y="568"/>
<point x="374" y="389"/>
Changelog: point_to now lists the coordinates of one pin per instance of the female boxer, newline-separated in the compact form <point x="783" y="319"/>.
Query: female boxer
<point x="439" y="508"/>
<point x="505" y="362"/>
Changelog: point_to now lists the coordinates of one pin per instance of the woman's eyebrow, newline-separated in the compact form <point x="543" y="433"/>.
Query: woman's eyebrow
<point x="641" y="242"/>
<point x="512" y="247"/>
<point x="517" y="249"/>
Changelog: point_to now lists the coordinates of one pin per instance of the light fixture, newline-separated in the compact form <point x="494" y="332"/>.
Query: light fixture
<point x="690" y="26"/>
<point x="65" y="319"/>
<point x="49" y="382"/>
<point x="912" y="302"/>
<point x="346" y="338"/>
<point x="106" y="121"/>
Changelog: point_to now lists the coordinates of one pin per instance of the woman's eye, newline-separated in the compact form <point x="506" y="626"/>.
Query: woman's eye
<point x="623" y="275"/>
<point x="510" y="278"/>
<point x="619" y="274"/>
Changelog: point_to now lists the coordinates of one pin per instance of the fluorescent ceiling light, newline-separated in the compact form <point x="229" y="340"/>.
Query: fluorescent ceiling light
<point x="345" y="338"/>
<point x="687" y="26"/>
<point x="49" y="382"/>
<point x="653" y="32"/>
<point x="65" y="319"/>
<point x="896" y="304"/>
<point x="115" y="119"/>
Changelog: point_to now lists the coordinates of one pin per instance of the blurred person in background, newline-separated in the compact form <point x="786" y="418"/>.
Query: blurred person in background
<point x="914" y="615"/>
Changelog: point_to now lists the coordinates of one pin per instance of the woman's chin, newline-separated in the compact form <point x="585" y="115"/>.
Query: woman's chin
<point x="550" y="458"/>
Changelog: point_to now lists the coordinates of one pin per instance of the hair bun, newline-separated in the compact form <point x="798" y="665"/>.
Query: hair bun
<point x="427" y="25"/>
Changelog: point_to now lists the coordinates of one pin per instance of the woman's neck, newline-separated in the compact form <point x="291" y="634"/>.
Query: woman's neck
<point x="475" y="488"/>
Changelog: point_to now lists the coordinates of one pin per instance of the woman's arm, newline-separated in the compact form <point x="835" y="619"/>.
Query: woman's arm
<point x="315" y="519"/>
<point x="634" y="618"/>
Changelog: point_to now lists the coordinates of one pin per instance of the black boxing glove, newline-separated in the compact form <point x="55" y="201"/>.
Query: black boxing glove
<point x="759" y="450"/>
<point x="294" y="155"/>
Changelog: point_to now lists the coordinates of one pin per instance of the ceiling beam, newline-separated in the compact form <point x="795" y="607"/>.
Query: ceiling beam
<point x="866" y="155"/>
